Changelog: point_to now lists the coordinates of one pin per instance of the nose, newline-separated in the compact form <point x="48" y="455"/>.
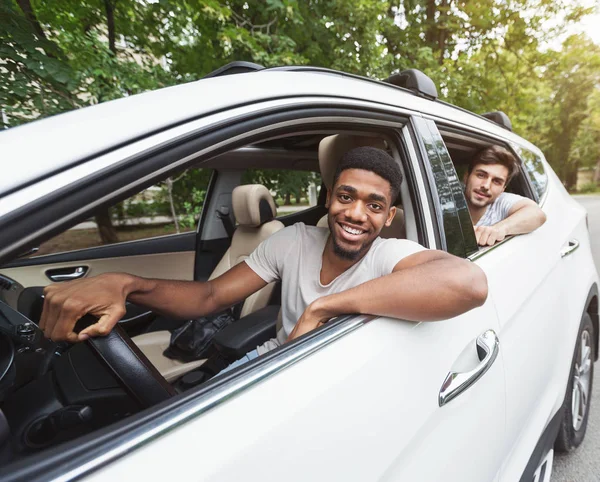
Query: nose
<point x="486" y="183"/>
<point x="356" y="212"/>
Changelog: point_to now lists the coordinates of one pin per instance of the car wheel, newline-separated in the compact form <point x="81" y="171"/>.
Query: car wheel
<point x="576" y="408"/>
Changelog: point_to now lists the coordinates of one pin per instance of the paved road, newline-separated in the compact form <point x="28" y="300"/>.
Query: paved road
<point x="583" y="465"/>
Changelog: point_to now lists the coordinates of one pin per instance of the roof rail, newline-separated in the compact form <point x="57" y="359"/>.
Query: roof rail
<point x="499" y="118"/>
<point x="415" y="80"/>
<point x="237" y="67"/>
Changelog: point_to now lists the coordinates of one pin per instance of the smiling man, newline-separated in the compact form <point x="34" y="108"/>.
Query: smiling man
<point x="495" y="213"/>
<point x="324" y="272"/>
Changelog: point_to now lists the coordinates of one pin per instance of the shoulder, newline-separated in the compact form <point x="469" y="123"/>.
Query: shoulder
<point x="304" y="231"/>
<point x="508" y="198"/>
<point x="401" y="247"/>
<point x="300" y="233"/>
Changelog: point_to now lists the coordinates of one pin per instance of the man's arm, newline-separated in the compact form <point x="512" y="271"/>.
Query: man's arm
<point x="104" y="296"/>
<point x="426" y="286"/>
<point x="523" y="217"/>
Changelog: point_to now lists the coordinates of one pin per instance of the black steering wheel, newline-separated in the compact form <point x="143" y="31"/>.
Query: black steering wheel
<point x="127" y="362"/>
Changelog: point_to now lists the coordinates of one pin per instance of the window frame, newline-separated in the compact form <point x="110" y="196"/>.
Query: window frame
<point x="488" y="139"/>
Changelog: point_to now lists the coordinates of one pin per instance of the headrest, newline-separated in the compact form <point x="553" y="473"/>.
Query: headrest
<point x="253" y="205"/>
<point x="332" y="148"/>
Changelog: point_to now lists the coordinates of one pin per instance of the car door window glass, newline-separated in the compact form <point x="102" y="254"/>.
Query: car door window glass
<point x="535" y="169"/>
<point x="169" y="207"/>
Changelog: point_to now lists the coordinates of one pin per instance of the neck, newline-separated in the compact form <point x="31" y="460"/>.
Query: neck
<point x="333" y="265"/>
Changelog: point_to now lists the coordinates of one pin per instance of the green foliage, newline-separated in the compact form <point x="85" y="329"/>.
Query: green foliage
<point x="588" y="188"/>
<point x="284" y="184"/>
<point x="485" y="55"/>
<point x="193" y="208"/>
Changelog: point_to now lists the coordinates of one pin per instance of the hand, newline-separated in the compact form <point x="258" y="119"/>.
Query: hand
<point x="489" y="235"/>
<point x="313" y="317"/>
<point x="64" y="303"/>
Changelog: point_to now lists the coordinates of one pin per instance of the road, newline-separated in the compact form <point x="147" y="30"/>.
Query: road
<point x="583" y="465"/>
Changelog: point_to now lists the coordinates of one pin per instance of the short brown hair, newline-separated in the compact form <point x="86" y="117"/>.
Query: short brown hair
<point x="496" y="155"/>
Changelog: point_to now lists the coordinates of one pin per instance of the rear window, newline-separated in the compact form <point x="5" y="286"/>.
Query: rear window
<point x="535" y="170"/>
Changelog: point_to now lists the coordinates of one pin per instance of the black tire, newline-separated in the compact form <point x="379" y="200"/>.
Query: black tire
<point x="572" y="433"/>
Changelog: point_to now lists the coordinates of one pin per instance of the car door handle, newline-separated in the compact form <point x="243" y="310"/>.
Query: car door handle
<point x="569" y="248"/>
<point x="66" y="274"/>
<point x="487" y="345"/>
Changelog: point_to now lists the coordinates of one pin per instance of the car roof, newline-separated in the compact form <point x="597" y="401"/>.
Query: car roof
<point x="41" y="148"/>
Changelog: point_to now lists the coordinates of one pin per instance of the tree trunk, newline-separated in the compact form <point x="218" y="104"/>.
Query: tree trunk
<point x="169" y="183"/>
<point x="27" y="9"/>
<point x="288" y="199"/>
<point x="106" y="230"/>
<point x="110" y="22"/>
<point x="597" y="173"/>
<point x="431" y="29"/>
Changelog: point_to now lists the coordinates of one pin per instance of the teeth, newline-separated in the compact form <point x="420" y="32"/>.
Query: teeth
<point x="352" y="231"/>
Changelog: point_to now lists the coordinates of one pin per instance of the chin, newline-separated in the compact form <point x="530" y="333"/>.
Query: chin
<point x="350" y="255"/>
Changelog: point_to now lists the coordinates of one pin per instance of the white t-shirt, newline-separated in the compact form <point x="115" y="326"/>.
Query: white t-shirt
<point x="498" y="210"/>
<point x="294" y="255"/>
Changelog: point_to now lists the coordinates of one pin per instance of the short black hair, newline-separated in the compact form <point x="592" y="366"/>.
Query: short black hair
<point x="375" y="160"/>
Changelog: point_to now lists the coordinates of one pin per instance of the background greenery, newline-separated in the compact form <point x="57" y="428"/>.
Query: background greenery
<point x="483" y="55"/>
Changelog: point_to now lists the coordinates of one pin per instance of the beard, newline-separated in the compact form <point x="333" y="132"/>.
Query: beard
<point x="340" y="251"/>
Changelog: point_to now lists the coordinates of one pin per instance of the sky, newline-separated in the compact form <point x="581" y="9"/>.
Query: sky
<point x="591" y="26"/>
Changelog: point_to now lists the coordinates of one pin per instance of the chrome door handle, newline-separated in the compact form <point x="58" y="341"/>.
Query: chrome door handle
<point x="569" y="248"/>
<point x="66" y="274"/>
<point x="456" y="382"/>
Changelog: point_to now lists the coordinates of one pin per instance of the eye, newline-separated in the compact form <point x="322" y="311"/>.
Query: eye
<point x="480" y="175"/>
<point x="497" y="182"/>
<point x="344" y="198"/>
<point x="375" y="207"/>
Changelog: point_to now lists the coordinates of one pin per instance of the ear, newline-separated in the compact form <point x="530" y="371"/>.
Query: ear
<point x="328" y="198"/>
<point x="390" y="217"/>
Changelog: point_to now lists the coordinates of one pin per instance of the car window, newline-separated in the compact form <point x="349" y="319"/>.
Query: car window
<point x="293" y="190"/>
<point x="535" y="169"/>
<point x="169" y="207"/>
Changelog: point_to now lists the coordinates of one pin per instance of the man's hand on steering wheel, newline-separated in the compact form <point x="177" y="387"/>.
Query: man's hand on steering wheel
<point x="102" y="296"/>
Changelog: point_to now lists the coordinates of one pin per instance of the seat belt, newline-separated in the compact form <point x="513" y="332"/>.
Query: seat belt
<point x="223" y="215"/>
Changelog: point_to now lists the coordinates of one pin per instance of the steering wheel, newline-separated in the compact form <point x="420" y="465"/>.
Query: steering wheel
<point x="129" y="364"/>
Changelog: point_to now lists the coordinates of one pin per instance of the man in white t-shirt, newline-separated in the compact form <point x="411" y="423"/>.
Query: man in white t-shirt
<point x="324" y="272"/>
<point x="495" y="213"/>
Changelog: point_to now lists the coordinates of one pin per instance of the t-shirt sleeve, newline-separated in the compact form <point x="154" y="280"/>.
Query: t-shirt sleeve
<point x="267" y="259"/>
<point x="390" y="252"/>
<point x="506" y="201"/>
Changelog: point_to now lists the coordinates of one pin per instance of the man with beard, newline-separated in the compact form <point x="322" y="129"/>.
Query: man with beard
<point x="495" y="213"/>
<point x="324" y="272"/>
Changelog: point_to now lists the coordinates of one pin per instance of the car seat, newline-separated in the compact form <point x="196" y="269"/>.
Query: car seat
<point x="254" y="211"/>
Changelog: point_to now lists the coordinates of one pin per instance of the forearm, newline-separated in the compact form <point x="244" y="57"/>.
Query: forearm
<point x="175" y="299"/>
<point x="523" y="221"/>
<point x="436" y="290"/>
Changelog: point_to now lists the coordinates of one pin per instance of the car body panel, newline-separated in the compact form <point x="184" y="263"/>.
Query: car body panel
<point x="361" y="406"/>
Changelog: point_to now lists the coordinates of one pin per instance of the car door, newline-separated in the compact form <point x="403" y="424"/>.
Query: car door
<point x="143" y="247"/>
<point x="526" y="276"/>
<point x="361" y="399"/>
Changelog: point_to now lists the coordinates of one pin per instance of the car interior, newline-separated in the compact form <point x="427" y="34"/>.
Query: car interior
<point x="55" y="392"/>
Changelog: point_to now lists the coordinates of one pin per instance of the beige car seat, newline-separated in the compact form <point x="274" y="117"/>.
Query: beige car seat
<point x="331" y="150"/>
<point x="254" y="210"/>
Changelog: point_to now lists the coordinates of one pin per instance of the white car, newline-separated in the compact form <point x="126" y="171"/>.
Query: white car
<point x="485" y="396"/>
